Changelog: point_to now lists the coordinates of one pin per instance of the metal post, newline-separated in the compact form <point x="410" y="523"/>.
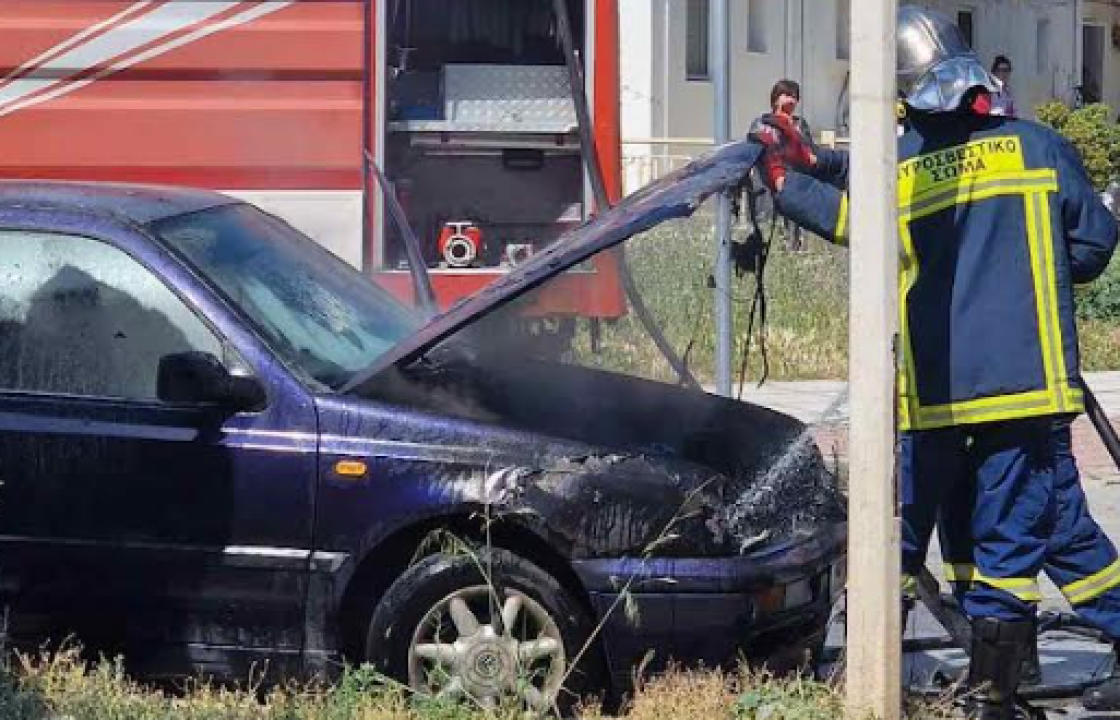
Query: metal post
<point x="721" y="81"/>
<point x="874" y="647"/>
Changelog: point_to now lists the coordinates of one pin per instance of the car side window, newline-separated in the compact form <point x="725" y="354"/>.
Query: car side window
<point x="80" y="317"/>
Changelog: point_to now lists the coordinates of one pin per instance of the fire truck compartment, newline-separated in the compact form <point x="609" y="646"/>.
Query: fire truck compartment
<point x="481" y="127"/>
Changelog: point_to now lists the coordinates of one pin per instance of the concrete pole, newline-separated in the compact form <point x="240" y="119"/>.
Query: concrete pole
<point x="874" y="645"/>
<point x="721" y="82"/>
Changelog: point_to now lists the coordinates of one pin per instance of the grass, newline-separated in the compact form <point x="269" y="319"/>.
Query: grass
<point x="807" y="318"/>
<point x="61" y="686"/>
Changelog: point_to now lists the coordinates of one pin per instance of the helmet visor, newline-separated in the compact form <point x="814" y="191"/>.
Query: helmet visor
<point x="943" y="87"/>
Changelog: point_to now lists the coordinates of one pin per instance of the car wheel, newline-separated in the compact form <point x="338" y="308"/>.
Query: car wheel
<point x="448" y="633"/>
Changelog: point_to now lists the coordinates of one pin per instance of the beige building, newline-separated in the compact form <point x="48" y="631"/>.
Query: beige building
<point x="1055" y="46"/>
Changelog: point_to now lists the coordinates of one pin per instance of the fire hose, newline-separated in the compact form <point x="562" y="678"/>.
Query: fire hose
<point x="602" y="198"/>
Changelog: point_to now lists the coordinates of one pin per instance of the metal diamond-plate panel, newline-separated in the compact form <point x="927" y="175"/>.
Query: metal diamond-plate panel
<point x="519" y="98"/>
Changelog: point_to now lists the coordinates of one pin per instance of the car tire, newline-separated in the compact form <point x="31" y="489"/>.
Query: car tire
<point x="416" y="614"/>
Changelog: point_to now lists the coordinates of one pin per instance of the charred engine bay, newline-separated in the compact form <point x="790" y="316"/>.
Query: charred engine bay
<point x="623" y="466"/>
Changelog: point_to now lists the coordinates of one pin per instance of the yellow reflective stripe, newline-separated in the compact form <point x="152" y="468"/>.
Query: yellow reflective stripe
<point x="904" y="422"/>
<point x="909" y="585"/>
<point x="923" y="423"/>
<point x="959" y="572"/>
<point x="1026" y="589"/>
<point x="1040" y="175"/>
<point x="965" y="195"/>
<point x="841" y="233"/>
<point x="1093" y="586"/>
<point x="987" y="407"/>
<point x="1043" y="299"/>
<point x="1050" y="281"/>
<point x="907" y="376"/>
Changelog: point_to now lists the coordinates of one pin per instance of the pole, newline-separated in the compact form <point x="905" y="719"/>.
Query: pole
<point x="874" y="644"/>
<point x="721" y="81"/>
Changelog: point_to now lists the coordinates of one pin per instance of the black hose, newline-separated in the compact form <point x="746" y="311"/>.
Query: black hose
<point x="421" y="282"/>
<point x="1101" y="422"/>
<point x="602" y="198"/>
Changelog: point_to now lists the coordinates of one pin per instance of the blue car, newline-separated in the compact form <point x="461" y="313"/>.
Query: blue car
<point x="222" y="448"/>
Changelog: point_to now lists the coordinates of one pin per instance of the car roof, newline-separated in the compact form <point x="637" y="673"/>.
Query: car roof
<point x="140" y="204"/>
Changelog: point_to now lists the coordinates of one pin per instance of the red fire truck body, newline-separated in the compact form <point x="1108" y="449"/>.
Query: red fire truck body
<point x="463" y="103"/>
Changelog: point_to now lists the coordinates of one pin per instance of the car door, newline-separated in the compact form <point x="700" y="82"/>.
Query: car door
<point x="177" y="534"/>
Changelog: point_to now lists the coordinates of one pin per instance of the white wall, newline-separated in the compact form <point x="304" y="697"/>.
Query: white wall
<point x="1100" y="12"/>
<point x="801" y="45"/>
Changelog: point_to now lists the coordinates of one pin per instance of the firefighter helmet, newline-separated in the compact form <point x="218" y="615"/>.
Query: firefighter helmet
<point x="936" y="67"/>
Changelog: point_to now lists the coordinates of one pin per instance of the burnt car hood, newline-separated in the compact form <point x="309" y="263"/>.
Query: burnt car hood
<point x="676" y="195"/>
<point x="610" y="463"/>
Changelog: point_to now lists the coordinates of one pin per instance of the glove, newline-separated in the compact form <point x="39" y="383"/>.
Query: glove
<point x="796" y="150"/>
<point x="774" y="168"/>
<point x="765" y="133"/>
<point x="773" y="163"/>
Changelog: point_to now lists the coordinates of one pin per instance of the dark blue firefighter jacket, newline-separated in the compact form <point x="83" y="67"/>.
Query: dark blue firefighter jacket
<point x="997" y="221"/>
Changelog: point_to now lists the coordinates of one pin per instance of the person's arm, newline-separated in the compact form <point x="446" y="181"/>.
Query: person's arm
<point x="832" y="167"/>
<point x="1090" y="229"/>
<point x="815" y="205"/>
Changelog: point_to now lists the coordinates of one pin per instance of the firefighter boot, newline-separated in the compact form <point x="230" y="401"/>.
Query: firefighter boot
<point x="999" y="648"/>
<point x="1031" y="674"/>
<point x="1106" y="696"/>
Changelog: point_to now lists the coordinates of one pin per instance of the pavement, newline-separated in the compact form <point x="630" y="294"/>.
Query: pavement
<point x="1066" y="659"/>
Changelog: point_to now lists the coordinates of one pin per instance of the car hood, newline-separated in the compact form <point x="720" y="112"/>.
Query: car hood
<point x="611" y="463"/>
<point x="676" y="195"/>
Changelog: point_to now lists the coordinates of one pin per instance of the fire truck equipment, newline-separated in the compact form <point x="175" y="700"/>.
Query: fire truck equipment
<point x="460" y="243"/>
<point x="517" y="253"/>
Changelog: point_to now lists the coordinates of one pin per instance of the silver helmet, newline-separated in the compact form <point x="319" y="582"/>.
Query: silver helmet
<point x="936" y="67"/>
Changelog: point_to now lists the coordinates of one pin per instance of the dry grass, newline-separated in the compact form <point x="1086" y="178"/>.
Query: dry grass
<point x="1100" y="345"/>
<point x="56" y="686"/>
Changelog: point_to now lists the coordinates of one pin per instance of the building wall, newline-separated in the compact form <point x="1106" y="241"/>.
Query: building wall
<point x="801" y="38"/>
<point x="1011" y="28"/>
<point x="1106" y="14"/>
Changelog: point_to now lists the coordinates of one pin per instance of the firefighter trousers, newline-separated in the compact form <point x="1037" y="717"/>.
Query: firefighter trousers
<point x="1008" y="502"/>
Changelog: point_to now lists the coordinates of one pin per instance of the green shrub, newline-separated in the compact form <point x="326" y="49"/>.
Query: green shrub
<point x="1100" y="299"/>
<point x="1093" y="132"/>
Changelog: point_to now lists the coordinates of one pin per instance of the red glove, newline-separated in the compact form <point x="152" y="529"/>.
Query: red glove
<point x="765" y="133"/>
<point x="774" y="168"/>
<point x="796" y="151"/>
<point x="982" y="103"/>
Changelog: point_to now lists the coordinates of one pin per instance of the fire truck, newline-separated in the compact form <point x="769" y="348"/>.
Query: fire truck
<point x="465" y="105"/>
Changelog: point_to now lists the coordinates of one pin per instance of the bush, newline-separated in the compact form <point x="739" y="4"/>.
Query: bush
<point x="1093" y="132"/>
<point x="1100" y="299"/>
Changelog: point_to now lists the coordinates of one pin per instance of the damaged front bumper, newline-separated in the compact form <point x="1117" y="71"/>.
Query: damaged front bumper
<point x="772" y="604"/>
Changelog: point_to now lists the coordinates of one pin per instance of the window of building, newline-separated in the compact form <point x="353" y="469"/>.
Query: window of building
<point x="696" y="42"/>
<point x="756" y="26"/>
<point x="79" y="317"/>
<point x="964" y="22"/>
<point x="843" y="29"/>
<point x="1042" y="45"/>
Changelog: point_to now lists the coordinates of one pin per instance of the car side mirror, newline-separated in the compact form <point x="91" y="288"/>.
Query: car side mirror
<point x="196" y="376"/>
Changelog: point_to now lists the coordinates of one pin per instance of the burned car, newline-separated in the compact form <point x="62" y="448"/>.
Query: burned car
<point x="221" y="446"/>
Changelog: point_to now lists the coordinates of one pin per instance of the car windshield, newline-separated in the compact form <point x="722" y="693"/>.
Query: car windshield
<point x="323" y="318"/>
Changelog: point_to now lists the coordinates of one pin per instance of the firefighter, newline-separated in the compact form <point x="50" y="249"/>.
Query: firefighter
<point x="997" y="220"/>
